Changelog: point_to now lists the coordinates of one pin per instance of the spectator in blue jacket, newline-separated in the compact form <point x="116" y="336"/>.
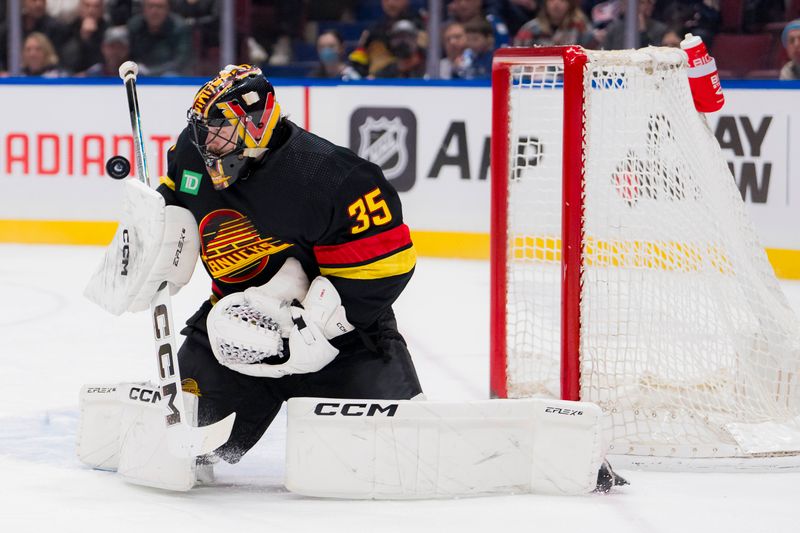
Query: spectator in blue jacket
<point x="476" y="62"/>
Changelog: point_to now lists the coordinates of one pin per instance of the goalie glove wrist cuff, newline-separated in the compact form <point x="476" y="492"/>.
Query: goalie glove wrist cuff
<point x="319" y="318"/>
<point x="322" y="306"/>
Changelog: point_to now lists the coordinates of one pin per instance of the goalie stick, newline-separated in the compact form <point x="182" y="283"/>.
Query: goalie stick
<point x="183" y="440"/>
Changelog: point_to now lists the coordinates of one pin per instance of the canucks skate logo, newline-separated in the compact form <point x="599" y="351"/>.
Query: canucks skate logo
<point x="232" y="248"/>
<point x="388" y="138"/>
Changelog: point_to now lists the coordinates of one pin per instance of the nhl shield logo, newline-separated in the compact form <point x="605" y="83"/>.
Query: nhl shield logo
<point x="387" y="137"/>
<point x="383" y="142"/>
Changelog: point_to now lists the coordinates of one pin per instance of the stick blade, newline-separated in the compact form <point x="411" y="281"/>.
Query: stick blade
<point x="191" y="441"/>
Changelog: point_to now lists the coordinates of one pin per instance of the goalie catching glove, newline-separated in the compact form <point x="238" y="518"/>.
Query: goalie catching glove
<point x="267" y="332"/>
<point x="154" y="243"/>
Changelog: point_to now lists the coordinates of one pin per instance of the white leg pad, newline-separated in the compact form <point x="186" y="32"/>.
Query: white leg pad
<point x="122" y="428"/>
<point x="98" y="428"/>
<point x="385" y="449"/>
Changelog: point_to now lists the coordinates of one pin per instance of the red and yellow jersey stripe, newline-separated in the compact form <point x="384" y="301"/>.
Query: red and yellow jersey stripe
<point x="389" y="253"/>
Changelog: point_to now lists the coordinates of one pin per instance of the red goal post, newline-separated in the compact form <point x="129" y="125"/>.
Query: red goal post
<point x="574" y="61"/>
<point x="624" y="267"/>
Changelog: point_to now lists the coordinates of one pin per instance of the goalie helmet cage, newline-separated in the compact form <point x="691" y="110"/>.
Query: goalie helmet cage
<point x="625" y="270"/>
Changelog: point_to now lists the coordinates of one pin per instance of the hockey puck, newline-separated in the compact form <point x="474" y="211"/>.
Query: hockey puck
<point x="118" y="167"/>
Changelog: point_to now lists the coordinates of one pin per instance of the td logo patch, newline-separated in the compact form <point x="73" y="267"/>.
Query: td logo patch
<point x="190" y="182"/>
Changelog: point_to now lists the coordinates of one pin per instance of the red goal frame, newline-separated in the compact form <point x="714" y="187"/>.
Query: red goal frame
<point x="574" y="61"/>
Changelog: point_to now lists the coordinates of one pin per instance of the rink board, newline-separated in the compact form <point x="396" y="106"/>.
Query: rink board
<point x="54" y="191"/>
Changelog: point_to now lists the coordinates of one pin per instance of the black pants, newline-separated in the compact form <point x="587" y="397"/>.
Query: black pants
<point x="376" y="366"/>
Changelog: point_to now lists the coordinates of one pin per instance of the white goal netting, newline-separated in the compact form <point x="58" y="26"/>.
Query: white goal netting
<point x="687" y="342"/>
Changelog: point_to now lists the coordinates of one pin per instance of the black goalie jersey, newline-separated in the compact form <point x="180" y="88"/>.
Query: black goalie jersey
<point x="309" y="199"/>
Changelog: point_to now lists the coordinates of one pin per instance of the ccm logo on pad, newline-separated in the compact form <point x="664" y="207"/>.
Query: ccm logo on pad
<point x="561" y="411"/>
<point x="355" y="409"/>
<point x="144" y="395"/>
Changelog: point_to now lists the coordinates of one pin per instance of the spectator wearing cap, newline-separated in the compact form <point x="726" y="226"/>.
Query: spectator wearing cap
<point x="791" y="41"/>
<point x="373" y="51"/>
<point x="115" y="51"/>
<point x="160" y="40"/>
<point x="82" y="48"/>
<point x="409" y="57"/>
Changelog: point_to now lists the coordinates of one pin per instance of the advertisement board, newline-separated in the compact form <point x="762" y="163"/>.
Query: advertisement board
<point x="431" y="140"/>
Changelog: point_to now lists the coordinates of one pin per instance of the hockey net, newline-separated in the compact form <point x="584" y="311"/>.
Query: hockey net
<point x="625" y="270"/>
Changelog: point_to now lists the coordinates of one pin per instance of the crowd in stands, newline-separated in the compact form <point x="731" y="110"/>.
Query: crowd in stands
<point x="356" y="39"/>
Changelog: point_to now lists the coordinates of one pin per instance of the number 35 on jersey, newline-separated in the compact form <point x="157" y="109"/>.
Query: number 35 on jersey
<point x="369" y="210"/>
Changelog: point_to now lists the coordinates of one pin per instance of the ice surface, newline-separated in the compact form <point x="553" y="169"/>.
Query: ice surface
<point x="52" y="341"/>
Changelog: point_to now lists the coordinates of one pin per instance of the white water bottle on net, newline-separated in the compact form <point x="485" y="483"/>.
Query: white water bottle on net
<point x="625" y="270"/>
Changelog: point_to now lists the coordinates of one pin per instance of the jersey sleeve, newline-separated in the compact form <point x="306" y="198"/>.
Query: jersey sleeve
<point x="167" y="182"/>
<point x="367" y="252"/>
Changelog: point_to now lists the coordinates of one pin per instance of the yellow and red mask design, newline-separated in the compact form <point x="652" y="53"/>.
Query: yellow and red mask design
<point x="239" y="107"/>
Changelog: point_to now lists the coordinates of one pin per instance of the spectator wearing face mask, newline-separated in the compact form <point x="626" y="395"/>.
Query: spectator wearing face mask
<point x="791" y="41"/>
<point x="330" y="48"/>
<point x="409" y="56"/>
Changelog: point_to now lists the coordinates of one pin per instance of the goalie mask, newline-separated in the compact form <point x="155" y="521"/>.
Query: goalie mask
<point x="232" y="120"/>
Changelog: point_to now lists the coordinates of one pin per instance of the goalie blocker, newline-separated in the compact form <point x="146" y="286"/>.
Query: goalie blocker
<point x="421" y="449"/>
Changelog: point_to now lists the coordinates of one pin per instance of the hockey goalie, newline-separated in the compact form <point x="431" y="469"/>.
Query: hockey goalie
<point x="307" y="250"/>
